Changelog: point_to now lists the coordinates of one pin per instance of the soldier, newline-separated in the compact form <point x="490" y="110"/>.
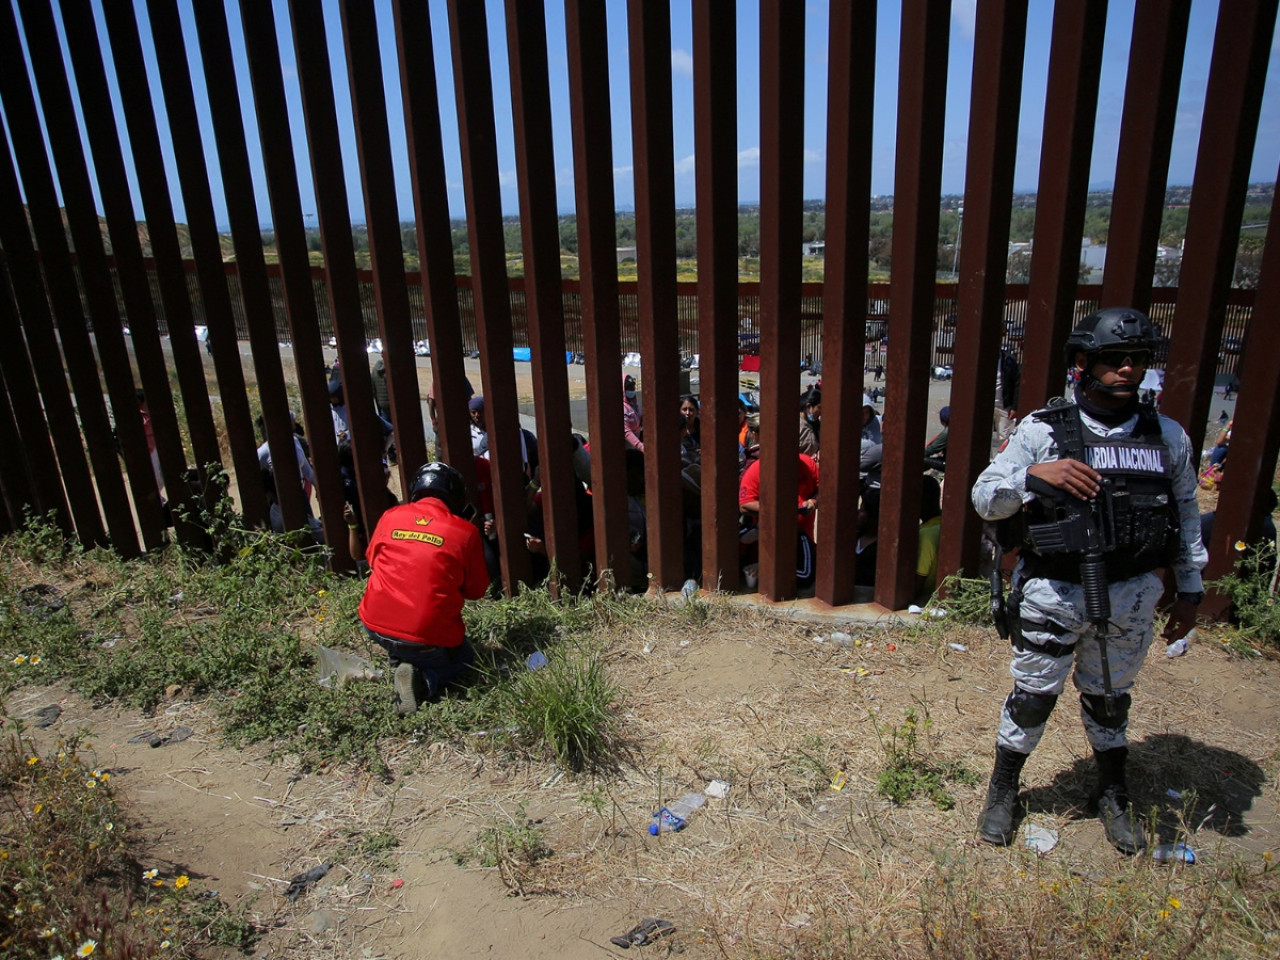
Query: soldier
<point x="1105" y="492"/>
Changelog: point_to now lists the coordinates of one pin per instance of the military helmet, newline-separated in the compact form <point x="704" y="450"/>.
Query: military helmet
<point x="1111" y="328"/>
<point x="441" y="481"/>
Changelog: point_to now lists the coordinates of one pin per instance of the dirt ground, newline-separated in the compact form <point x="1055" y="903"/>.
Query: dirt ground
<point x="745" y="697"/>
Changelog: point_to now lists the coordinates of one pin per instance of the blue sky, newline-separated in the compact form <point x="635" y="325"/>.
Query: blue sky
<point x="1119" y="28"/>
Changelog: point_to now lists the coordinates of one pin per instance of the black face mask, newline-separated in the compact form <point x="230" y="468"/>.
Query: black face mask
<point x="684" y="420"/>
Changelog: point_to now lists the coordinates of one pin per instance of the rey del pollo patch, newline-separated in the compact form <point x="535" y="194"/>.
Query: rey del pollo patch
<point x="1129" y="458"/>
<point x="432" y="538"/>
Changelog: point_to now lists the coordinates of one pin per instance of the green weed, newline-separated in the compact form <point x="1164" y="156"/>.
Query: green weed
<point x="966" y="600"/>
<point x="1251" y="589"/>
<point x="910" y="771"/>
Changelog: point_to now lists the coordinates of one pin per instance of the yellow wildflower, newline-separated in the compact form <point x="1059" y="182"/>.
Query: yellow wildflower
<point x="164" y="944"/>
<point x="19" y="660"/>
<point x="34" y="661"/>
<point x="181" y="882"/>
<point x="149" y="874"/>
<point x="91" y="783"/>
<point x="1268" y="856"/>
<point x="1175" y="903"/>
<point x="1164" y="914"/>
<point x="157" y="883"/>
<point x="32" y="761"/>
<point x="87" y="948"/>
<point x="48" y="932"/>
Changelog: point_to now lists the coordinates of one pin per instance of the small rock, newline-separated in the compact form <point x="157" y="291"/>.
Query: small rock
<point x="322" y="921"/>
<point x="172" y="690"/>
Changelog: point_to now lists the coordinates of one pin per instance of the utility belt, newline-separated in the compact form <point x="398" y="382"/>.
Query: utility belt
<point x="1066" y="566"/>
<point x="1009" y="625"/>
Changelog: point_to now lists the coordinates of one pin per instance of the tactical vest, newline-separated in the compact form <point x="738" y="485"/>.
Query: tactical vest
<point x="1137" y="504"/>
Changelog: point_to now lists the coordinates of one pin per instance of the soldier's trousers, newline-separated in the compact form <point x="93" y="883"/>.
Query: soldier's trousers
<point x="1057" y="638"/>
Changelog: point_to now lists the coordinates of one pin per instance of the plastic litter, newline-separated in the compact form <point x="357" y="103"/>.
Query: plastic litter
<point x="717" y="789"/>
<point x="303" y="880"/>
<point x="1039" y="839"/>
<point x="958" y="647"/>
<point x="689" y="591"/>
<point x="841" y="639"/>
<point x="1173" y="794"/>
<point x="536" y="661"/>
<point x="675" y="816"/>
<point x="334" y="668"/>
<point x="1171" y="852"/>
<point x="839" y="780"/>
<point x="1180" y="647"/>
<point x="47" y="716"/>
<point x="644" y="933"/>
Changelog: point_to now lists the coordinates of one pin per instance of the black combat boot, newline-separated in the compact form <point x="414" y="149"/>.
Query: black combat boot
<point x="995" y="825"/>
<point x="1112" y="802"/>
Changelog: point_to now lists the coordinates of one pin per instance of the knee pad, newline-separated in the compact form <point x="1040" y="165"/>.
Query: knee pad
<point x="1028" y="709"/>
<point x="1095" y="705"/>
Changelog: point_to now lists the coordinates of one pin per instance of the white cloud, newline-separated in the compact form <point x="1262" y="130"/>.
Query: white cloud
<point x="507" y="178"/>
<point x="626" y="171"/>
<point x="685" y="166"/>
<point x="681" y="63"/>
<point x="964" y="14"/>
<point x="812" y="156"/>
<point x="749" y="157"/>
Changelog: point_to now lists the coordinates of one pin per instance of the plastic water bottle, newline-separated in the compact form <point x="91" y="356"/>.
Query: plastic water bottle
<point x="675" y="815"/>
<point x="689" y="591"/>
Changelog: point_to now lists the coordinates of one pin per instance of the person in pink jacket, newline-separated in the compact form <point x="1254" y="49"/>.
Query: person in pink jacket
<point x="632" y="420"/>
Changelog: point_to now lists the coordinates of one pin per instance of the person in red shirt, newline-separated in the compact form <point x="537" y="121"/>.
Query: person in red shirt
<point x="806" y="504"/>
<point x="425" y="561"/>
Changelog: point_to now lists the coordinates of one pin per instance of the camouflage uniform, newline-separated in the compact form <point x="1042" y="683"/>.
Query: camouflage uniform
<point x="1058" y="608"/>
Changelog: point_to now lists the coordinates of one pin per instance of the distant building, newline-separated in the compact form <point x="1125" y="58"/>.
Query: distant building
<point x="818" y="248"/>
<point x="626" y="253"/>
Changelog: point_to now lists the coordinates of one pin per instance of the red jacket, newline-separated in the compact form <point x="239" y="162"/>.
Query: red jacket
<point x="807" y="482"/>
<point x="425" y="562"/>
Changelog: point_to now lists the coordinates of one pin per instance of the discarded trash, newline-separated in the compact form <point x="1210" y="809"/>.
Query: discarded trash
<point x="689" y="591"/>
<point x="397" y="883"/>
<point x="644" y="933"/>
<point x="915" y="609"/>
<point x="46" y="716"/>
<point x="718" y="789"/>
<point x="303" y="880"/>
<point x="892" y="647"/>
<point x="154" y="739"/>
<point x="536" y="661"/>
<point x="1180" y="647"/>
<point x="958" y="647"/>
<point x="1174" y="794"/>
<point x="839" y="780"/>
<point x="41" y="600"/>
<point x="1169" y="852"/>
<point x="176" y="598"/>
<point x="841" y="639"/>
<point x="336" y="667"/>
<point x="675" y="816"/>
<point x="1040" y="839"/>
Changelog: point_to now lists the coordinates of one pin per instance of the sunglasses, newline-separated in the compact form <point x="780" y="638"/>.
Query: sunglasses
<point x="1124" y="358"/>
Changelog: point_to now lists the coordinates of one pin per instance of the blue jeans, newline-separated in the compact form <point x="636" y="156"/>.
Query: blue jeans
<point x="438" y="665"/>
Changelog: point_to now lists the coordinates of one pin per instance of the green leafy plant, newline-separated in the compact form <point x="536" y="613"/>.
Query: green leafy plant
<point x="1251" y="587"/>
<point x="910" y="771"/>
<point x="966" y="600"/>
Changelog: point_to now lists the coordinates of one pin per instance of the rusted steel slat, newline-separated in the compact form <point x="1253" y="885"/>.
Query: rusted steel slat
<point x="850" y="107"/>
<point x="35" y="482"/>
<point x="1233" y="99"/>
<point x="206" y="249"/>
<point x="135" y="285"/>
<point x="993" y="139"/>
<point x="15" y="483"/>
<point x="161" y="228"/>
<point x="922" y="83"/>
<point x="1142" y="161"/>
<point x="255" y="290"/>
<point x="544" y="305"/>
<point x="82" y="219"/>
<point x="267" y="80"/>
<point x="473" y="89"/>
<point x="715" y="130"/>
<point x="44" y="394"/>
<point x="73" y="335"/>
<point x="414" y="50"/>
<point x="781" y="203"/>
<point x="1071" y="106"/>
<point x="315" y="81"/>
<point x="1255" y="439"/>
<point x="369" y="109"/>
<point x="588" y="54"/>
<point x="653" y="147"/>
